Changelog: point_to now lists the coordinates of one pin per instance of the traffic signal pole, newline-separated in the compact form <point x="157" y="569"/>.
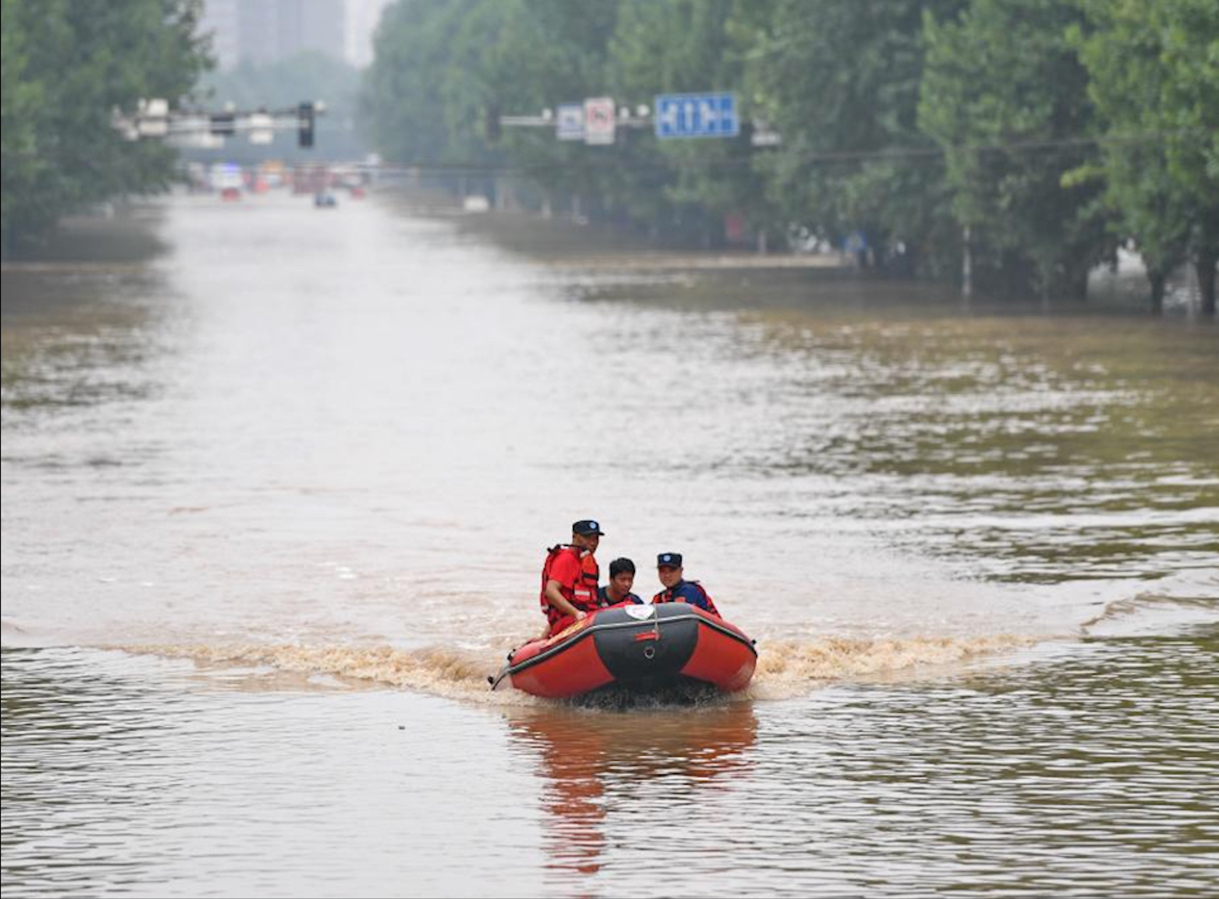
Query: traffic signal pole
<point x="154" y="119"/>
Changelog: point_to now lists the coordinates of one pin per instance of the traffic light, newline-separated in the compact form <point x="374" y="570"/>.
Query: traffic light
<point x="304" y="136"/>
<point x="491" y="127"/>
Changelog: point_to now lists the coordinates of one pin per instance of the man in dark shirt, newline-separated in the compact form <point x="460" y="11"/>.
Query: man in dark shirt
<point x="621" y="579"/>
<point x="676" y="588"/>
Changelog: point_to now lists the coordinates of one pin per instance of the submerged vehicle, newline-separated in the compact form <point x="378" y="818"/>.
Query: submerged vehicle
<point x="636" y="647"/>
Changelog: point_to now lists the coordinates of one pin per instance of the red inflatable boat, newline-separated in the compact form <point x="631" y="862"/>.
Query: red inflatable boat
<point x="637" y="646"/>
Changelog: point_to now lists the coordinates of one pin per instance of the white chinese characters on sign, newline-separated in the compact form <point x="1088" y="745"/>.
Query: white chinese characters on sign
<point x="696" y="115"/>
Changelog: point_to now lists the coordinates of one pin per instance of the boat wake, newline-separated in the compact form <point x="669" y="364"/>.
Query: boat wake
<point x="453" y="673"/>
<point x="1152" y="613"/>
<point x="786" y="668"/>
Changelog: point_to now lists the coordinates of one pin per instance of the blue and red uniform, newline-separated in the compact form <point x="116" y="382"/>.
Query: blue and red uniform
<point x="691" y="592"/>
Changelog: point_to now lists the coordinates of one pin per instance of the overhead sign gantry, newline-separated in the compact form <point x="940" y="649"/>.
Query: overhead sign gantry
<point x="595" y="122"/>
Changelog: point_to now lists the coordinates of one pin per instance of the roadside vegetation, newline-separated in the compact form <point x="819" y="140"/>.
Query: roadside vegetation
<point x="1021" y="141"/>
<point x="1007" y="146"/>
<point x="66" y="65"/>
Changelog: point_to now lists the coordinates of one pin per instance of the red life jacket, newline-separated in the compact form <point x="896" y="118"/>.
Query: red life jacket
<point x="668" y="595"/>
<point x="583" y="593"/>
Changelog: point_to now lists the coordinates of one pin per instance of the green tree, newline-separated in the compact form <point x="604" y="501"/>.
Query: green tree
<point x="1154" y="77"/>
<point x="22" y="98"/>
<point x="522" y="56"/>
<point x="687" y="46"/>
<point x="555" y="52"/>
<point x="400" y="102"/>
<point x="1005" y="96"/>
<point x="444" y="70"/>
<point x="840" y="83"/>
<point x="909" y="120"/>
<point x="67" y="65"/>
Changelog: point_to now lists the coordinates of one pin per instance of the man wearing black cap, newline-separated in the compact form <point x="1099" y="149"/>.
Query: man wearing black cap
<point x="570" y="576"/>
<point x="676" y="588"/>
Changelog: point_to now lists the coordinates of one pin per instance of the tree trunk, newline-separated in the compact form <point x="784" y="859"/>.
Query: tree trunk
<point x="1079" y="286"/>
<point x="1157" y="280"/>
<point x="967" y="268"/>
<point x="1205" y="268"/>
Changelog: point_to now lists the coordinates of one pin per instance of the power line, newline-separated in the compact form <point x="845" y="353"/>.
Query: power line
<point x="913" y="154"/>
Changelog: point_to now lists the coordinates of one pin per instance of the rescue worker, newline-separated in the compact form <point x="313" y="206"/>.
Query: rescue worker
<point x="621" y="579"/>
<point x="570" y="578"/>
<point x="676" y="588"/>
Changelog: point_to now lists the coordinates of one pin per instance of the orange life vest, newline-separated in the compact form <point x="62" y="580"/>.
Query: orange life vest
<point x="583" y="593"/>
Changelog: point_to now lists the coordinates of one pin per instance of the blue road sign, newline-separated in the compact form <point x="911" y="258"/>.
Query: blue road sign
<point x="696" y="115"/>
<point x="569" y="121"/>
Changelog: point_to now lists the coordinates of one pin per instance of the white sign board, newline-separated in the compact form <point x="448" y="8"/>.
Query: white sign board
<point x="599" y="120"/>
<point x="261" y="128"/>
<point x="569" y="121"/>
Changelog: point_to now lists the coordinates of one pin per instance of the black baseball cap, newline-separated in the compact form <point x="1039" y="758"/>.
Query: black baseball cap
<point x="669" y="560"/>
<point x="587" y="527"/>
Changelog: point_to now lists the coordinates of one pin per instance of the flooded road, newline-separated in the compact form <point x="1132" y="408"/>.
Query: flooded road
<point x="276" y="498"/>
